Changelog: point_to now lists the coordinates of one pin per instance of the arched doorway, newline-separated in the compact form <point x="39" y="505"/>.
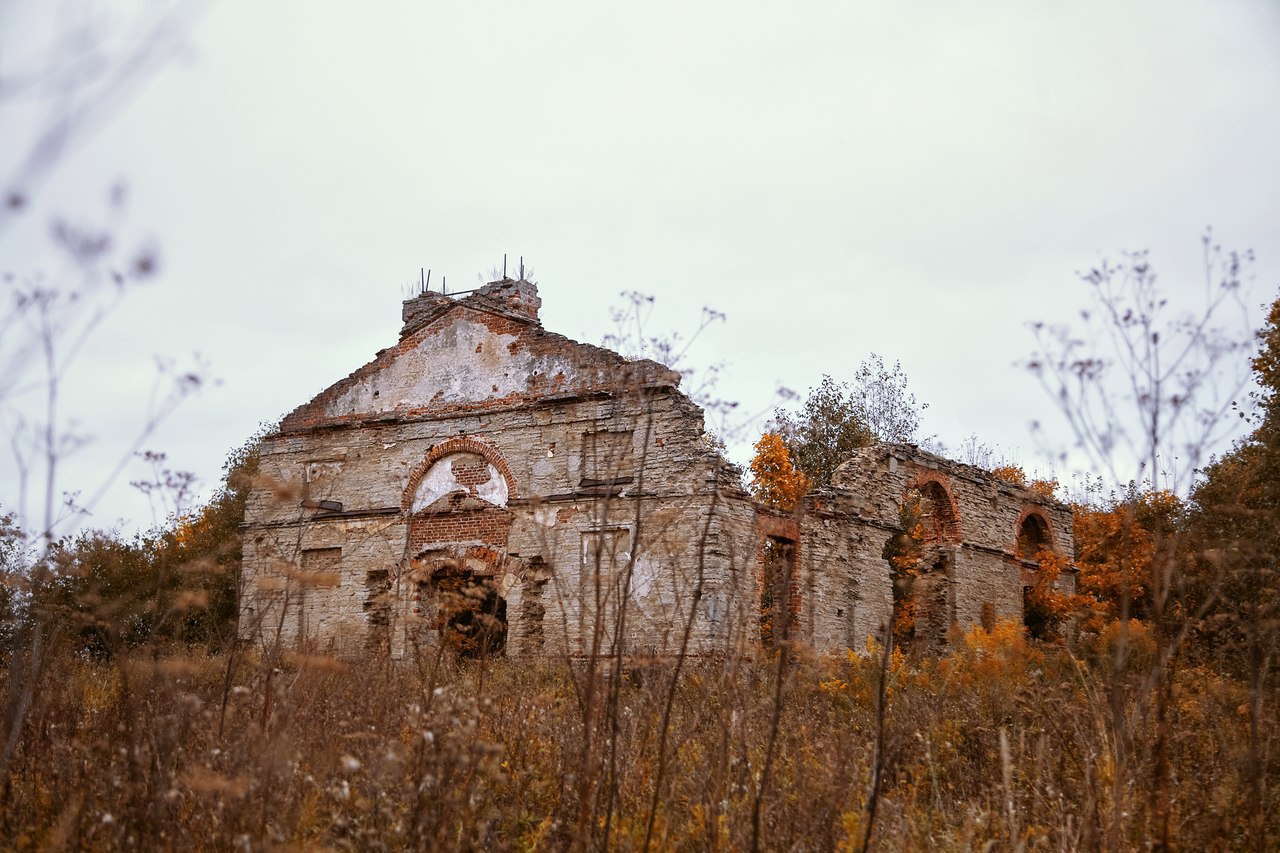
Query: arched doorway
<point x="459" y="525"/>
<point x="1032" y="546"/>
<point x="922" y="558"/>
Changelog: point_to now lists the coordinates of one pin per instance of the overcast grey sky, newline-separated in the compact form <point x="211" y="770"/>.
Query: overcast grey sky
<point x="918" y="180"/>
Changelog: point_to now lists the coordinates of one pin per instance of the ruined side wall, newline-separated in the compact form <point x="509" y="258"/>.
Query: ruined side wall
<point x="319" y="582"/>
<point x="985" y="575"/>
<point x="848" y="593"/>
<point x="875" y="479"/>
<point x="731" y="600"/>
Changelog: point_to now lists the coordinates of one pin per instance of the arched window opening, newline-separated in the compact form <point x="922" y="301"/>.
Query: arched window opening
<point x="938" y="519"/>
<point x="1033" y="538"/>
<point x="921" y="558"/>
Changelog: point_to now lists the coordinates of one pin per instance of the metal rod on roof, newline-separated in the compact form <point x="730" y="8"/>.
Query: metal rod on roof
<point x="444" y="284"/>
<point x="427" y="285"/>
<point x="422" y="280"/>
<point x="504" y="264"/>
<point x="522" y="267"/>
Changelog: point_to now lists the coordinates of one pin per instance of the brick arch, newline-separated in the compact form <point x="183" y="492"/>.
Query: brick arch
<point x="1033" y="511"/>
<point x="457" y="445"/>
<point x="927" y="482"/>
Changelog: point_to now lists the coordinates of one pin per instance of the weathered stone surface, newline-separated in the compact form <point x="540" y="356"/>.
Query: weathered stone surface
<point x="569" y="500"/>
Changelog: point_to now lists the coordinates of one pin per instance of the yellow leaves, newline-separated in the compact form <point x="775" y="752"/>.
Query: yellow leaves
<point x="1126" y="646"/>
<point x="774" y="479"/>
<point x="851" y="831"/>
<point x="1003" y="637"/>
<point x="1046" y="606"/>
<point x="833" y="686"/>
<point x="183" y="529"/>
<point x="101" y="687"/>
<point x="990" y="658"/>
<point x="1160" y="502"/>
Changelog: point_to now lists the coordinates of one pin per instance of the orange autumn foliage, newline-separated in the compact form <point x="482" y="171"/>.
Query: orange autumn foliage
<point x="1047" y="608"/>
<point x="1044" y="488"/>
<point x="903" y="551"/>
<point x="1011" y="474"/>
<point x="1115" y="546"/>
<point x="774" y="478"/>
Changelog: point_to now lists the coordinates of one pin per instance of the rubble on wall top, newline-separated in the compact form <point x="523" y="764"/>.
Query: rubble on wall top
<point x="514" y="298"/>
<point x="869" y="458"/>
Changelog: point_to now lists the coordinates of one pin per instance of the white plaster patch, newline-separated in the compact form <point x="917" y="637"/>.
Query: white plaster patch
<point x="644" y="575"/>
<point x="543" y="468"/>
<point x="462" y="363"/>
<point x="440" y="481"/>
<point x="547" y="516"/>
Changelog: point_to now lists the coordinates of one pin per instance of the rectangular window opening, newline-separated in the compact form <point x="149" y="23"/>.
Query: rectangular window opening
<point x="779" y="595"/>
<point x="608" y="456"/>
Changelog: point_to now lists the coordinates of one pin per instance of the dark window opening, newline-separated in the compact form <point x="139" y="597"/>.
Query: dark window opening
<point x="1034" y="617"/>
<point x="377" y="604"/>
<point x="532" y="613"/>
<point x="471" y="615"/>
<point x="779" y="598"/>
<point x="988" y="618"/>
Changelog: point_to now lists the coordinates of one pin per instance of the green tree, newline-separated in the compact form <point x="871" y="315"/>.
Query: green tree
<point x="11" y="583"/>
<point x="828" y="427"/>
<point x="883" y="402"/>
<point x="1235" y="527"/>
<point x="837" y="418"/>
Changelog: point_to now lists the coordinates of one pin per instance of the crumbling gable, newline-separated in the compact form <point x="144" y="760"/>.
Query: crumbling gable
<point x="500" y="489"/>
<point x="484" y="351"/>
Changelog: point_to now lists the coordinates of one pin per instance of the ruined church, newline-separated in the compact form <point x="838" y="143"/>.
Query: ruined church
<point x="492" y="485"/>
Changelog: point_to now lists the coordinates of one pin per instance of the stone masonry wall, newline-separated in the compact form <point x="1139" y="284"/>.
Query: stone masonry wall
<point x="583" y="472"/>
<point x="985" y="573"/>
<point x="581" y="488"/>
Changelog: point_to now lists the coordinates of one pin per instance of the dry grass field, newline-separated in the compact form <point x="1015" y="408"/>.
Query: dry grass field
<point x="999" y="744"/>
